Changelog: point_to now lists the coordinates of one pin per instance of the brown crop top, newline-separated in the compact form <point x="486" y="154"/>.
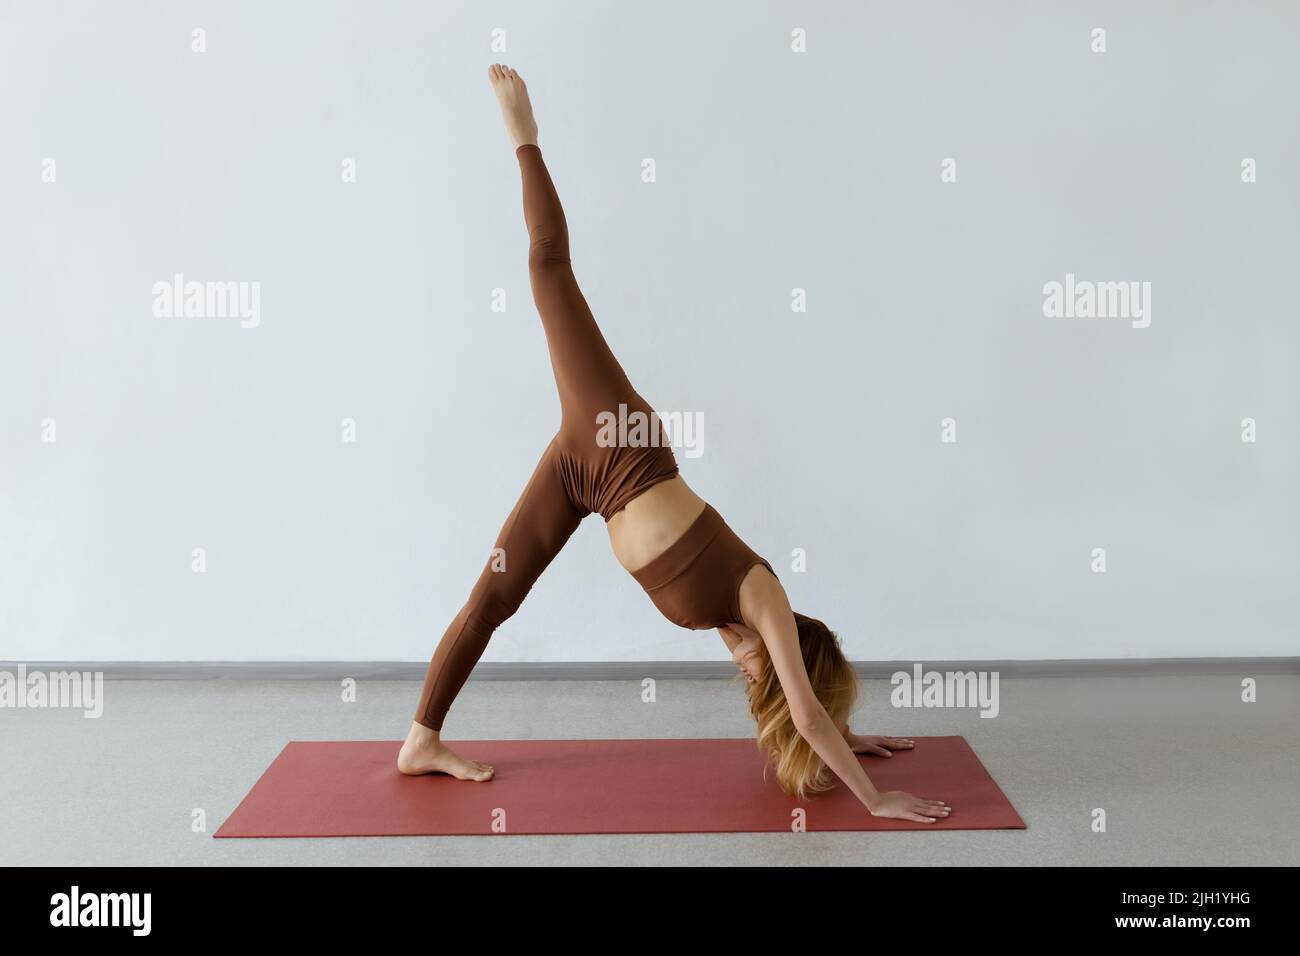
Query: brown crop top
<point x="696" y="582"/>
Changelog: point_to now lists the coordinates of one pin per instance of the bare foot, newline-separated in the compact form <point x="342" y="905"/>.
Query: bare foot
<point x="515" y="106"/>
<point x="424" y="753"/>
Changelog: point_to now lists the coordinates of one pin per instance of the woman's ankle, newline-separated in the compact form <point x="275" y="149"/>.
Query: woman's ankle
<point x="422" y="736"/>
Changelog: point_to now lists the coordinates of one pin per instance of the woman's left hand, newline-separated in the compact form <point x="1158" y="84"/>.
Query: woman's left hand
<point x="870" y="744"/>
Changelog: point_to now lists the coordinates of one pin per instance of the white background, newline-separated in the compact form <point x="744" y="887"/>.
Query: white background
<point x="776" y="170"/>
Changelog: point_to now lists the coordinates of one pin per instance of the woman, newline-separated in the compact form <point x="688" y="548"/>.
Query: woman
<point x="695" y="569"/>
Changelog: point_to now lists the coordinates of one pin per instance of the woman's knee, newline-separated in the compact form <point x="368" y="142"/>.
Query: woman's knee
<point x="548" y="250"/>
<point x="494" y="601"/>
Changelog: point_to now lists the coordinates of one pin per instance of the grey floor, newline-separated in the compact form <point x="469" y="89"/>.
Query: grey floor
<point x="1186" y="773"/>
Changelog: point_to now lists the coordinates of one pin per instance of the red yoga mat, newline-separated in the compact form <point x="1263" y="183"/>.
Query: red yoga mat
<point x="711" y="785"/>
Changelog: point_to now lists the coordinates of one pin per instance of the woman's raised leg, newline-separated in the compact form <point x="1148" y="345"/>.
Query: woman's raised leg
<point x="589" y="378"/>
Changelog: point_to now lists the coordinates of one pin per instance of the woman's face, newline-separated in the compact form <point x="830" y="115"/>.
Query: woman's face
<point x="746" y="657"/>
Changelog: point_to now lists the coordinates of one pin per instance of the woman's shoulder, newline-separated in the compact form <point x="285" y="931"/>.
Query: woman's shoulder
<point x="761" y="595"/>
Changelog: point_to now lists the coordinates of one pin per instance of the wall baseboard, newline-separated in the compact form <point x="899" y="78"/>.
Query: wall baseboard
<point x="636" y="670"/>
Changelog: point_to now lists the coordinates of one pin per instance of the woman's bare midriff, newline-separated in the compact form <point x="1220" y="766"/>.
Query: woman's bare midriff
<point x="649" y="524"/>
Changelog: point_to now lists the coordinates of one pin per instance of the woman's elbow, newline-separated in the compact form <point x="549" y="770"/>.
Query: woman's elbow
<point x="809" y="725"/>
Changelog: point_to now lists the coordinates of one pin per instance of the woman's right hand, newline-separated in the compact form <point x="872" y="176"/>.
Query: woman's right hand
<point x="901" y="805"/>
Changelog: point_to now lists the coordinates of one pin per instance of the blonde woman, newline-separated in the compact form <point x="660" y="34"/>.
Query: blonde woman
<point x="695" y="569"/>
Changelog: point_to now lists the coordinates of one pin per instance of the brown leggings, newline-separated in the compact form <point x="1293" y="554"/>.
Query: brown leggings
<point x="576" y="475"/>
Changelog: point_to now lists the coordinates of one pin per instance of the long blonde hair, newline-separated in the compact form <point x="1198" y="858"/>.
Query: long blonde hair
<point x="799" y="771"/>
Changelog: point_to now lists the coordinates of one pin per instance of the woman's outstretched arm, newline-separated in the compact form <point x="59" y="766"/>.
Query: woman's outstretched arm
<point x="774" y="621"/>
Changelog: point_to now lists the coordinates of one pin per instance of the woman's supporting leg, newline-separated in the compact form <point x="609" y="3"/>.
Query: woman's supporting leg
<point x="536" y="530"/>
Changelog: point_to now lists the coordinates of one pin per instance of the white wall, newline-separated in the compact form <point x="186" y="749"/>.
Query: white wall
<point x="776" y="170"/>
